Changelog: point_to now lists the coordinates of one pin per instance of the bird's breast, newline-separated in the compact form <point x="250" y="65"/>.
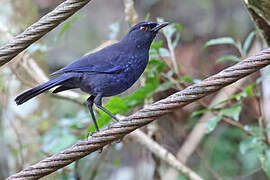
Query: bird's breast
<point x="135" y="67"/>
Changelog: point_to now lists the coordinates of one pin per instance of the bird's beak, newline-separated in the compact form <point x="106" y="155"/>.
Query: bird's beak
<point x="159" y="26"/>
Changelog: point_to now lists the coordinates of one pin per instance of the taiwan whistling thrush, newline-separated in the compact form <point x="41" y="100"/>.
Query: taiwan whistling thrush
<point x="107" y="72"/>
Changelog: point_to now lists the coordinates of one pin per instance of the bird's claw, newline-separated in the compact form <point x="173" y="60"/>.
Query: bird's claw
<point x="119" y="140"/>
<point x="100" y="150"/>
<point x="89" y="134"/>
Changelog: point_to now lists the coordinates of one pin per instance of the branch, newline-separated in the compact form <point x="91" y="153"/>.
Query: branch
<point x="130" y="12"/>
<point x="145" y="116"/>
<point x="163" y="154"/>
<point x="259" y="13"/>
<point x="39" y="29"/>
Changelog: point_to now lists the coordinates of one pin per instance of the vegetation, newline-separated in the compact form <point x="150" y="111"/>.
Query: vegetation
<point x="233" y="144"/>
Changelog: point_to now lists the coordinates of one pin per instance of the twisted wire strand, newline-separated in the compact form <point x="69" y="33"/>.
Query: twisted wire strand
<point x="39" y="29"/>
<point x="145" y="116"/>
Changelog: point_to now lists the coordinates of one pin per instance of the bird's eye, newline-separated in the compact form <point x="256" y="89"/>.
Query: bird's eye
<point x="143" y="28"/>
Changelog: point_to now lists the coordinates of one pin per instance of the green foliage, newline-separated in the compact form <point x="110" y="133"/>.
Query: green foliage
<point x="250" y="143"/>
<point x="147" y="17"/>
<point x="157" y="50"/>
<point x="233" y="112"/>
<point x="200" y="112"/>
<point x="242" y="49"/>
<point x="228" y="58"/>
<point x="186" y="79"/>
<point x="212" y="123"/>
<point x="220" y="153"/>
<point x="253" y="149"/>
<point x="248" y="41"/>
<point x="247" y="92"/>
<point x="228" y="151"/>
<point x="265" y="160"/>
<point x="220" y="41"/>
<point x="258" y="148"/>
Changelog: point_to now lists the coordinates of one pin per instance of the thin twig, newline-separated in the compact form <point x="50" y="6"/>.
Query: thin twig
<point x="162" y="153"/>
<point x="171" y="49"/>
<point x="262" y="123"/>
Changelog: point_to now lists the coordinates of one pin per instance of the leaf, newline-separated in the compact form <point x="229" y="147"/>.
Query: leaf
<point x="248" y="144"/>
<point x="170" y="73"/>
<point x="256" y="130"/>
<point x="232" y="112"/>
<point x="248" y="41"/>
<point x="164" y="86"/>
<point x="222" y="40"/>
<point x="249" y="89"/>
<point x="186" y="79"/>
<point x="67" y="25"/>
<point x="164" y="52"/>
<point x="212" y="123"/>
<point x="228" y="58"/>
<point x="160" y="65"/>
<point x="176" y="40"/>
<point x="196" y="113"/>
<point x="153" y="52"/>
<point x="156" y="45"/>
<point x="147" y="17"/>
<point x="265" y="161"/>
<point x="178" y="26"/>
<point x="138" y="96"/>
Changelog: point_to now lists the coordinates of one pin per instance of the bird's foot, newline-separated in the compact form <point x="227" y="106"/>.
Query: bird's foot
<point x="100" y="150"/>
<point x="119" y="140"/>
<point x="115" y="119"/>
<point x="110" y="124"/>
<point x="89" y="134"/>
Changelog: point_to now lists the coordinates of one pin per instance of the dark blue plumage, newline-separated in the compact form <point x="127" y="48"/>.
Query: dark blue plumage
<point x="107" y="72"/>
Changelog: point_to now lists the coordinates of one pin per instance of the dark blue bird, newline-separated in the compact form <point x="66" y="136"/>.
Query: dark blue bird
<point x="107" y="72"/>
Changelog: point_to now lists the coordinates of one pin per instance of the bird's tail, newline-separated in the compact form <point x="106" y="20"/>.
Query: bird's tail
<point x="22" y="98"/>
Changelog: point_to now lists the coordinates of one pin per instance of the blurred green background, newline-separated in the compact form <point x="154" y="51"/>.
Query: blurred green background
<point x="204" y="38"/>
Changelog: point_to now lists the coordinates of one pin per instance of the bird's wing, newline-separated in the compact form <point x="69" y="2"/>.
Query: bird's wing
<point x="95" y="63"/>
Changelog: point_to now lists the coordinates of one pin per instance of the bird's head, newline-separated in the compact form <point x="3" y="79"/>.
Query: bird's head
<point x="143" y="33"/>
